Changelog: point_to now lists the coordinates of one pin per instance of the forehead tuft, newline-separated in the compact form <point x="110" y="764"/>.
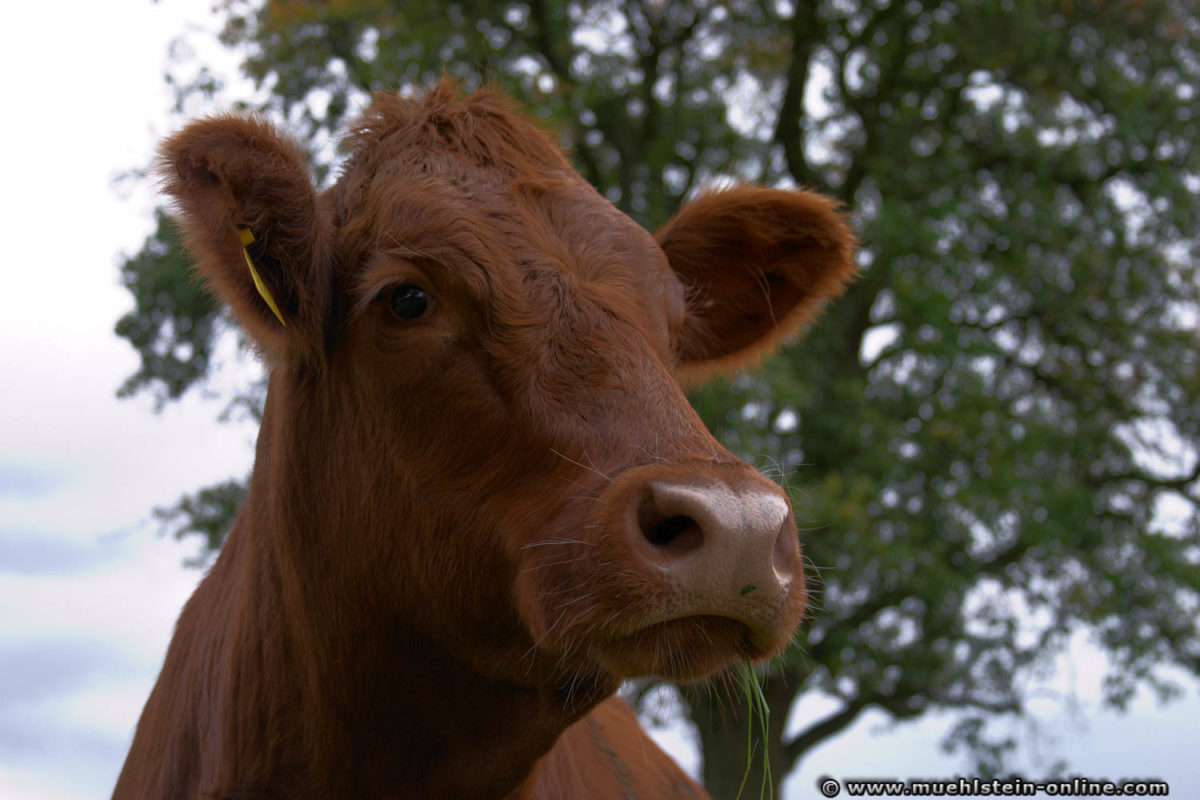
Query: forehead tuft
<point x="482" y="130"/>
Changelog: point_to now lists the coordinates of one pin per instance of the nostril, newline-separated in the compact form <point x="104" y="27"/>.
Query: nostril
<point x="679" y="533"/>
<point x="786" y="552"/>
<point x="670" y="534"/>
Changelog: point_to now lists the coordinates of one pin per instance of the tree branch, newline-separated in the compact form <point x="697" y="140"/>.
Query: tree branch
<point x="896" y="705"/>
<point x="611" y="119"/>
<point x="866" y="611"/>
<point x="1181" y="484"/>
<point x="789" y="134"/>
<point x="816" y="733"/>
<point x="546" y="41"/>
<point x="866" y="106"/>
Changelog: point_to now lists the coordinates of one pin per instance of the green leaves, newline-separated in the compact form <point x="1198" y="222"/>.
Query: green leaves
<point x="978" y="471"/>
<point x="174" y="324"/>
<point x="207" y="513"/>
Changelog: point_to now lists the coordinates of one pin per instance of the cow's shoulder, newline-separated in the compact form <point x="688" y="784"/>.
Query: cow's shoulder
<point x="606" y="754"/>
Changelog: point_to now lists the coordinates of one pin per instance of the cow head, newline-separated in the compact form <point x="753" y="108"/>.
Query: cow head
<point x="475" y="424"/>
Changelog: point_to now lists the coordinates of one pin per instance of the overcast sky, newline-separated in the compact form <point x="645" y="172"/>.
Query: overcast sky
<point x="88" y="590"/>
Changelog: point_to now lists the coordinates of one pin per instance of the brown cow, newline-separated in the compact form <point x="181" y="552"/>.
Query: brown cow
<point x="480" y="498"/>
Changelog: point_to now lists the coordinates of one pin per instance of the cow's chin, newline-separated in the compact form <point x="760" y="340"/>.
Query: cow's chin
<point x="685" y="649"/>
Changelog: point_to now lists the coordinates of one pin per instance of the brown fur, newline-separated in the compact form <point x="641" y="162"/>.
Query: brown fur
<point x="430" y="591"/>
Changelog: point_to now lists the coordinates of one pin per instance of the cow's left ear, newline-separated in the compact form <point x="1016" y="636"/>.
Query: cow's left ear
<point x="756" y="265"/>
<point x="252" y="220"/>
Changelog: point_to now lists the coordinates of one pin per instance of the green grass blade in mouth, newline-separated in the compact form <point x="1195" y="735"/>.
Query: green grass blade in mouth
<point x="757" y="708"/>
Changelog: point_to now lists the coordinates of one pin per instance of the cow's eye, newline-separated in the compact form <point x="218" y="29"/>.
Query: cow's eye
<point x="409" y="301"/>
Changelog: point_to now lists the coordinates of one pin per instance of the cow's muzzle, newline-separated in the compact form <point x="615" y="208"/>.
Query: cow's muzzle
<point x="719" y="547"/>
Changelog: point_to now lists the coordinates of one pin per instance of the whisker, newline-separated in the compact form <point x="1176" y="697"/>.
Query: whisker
<point x="546" y="633"/>
<point x="581" y="466"/>
<point x="648" y="453"/>
<point x="557" y="541"/>
<point x="563" y="562"/>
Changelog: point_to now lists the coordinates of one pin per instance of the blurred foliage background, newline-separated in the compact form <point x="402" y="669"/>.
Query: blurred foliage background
<point x="985" y="437"/>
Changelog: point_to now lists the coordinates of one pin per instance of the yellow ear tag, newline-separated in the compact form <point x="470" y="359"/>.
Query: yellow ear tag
<point x="247" y="240"/>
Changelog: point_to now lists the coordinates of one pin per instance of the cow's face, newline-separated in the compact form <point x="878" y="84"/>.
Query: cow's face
<point x="501" y="351"/>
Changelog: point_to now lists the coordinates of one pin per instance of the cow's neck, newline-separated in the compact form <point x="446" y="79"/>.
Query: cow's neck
<point x="330" y="688"/>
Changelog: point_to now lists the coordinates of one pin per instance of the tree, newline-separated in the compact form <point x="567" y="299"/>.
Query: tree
<point x="980" y="432"/>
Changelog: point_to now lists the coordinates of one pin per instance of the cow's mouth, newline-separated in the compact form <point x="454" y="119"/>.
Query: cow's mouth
<point x="685" y="649"/>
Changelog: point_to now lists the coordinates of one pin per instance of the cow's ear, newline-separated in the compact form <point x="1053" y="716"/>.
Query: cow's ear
<point x="250" y="216"/>
<point x="756" y="265"/>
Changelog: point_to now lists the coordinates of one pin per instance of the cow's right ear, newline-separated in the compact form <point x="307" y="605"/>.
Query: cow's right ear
<point x="757" y="265"/>
<point x="245" y="200"/>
